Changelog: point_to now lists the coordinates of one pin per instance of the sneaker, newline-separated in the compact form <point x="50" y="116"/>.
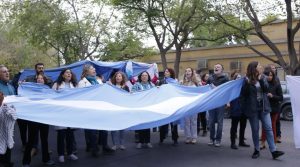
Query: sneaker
<point x="73" y="157"/>
<point x="187" y="141"/>
<point x="194" y="141"/>
<point x="149" y="145"/>
<point x="139" y="145"/>
<point x="122" y="147"/>
<point x="61" y="159"/>
<point x="107" y="150"/>
<point x="34" y="152"/>
<point x="211" y="142"/>
<point x="114" y="147"/>
<point x="256" y="154"/>
<point x="276" y="154"/>
<point x="50" y="162"/>
<point x="278" y="139"/>
<point x="218" y="144"/>
<point x="262" y="145"/>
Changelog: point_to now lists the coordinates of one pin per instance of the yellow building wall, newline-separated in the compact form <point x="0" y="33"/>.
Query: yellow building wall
<point x="227" y="54"/>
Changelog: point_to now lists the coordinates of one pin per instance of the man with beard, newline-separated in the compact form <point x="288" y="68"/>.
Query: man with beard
<point x="216" y="115"/>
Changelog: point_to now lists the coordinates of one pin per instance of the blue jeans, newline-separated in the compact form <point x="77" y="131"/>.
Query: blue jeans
<point x="117" y="137"/>
<point x="216" y="116"/>
<point x="267" y="125"/>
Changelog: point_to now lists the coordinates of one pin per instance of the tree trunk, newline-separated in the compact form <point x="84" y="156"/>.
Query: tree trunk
<point x="177" y="60"/>
<point x="163" y="59"/>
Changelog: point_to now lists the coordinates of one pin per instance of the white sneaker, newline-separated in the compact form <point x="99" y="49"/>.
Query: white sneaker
<point x="187" y="141"/>
<point x="73" y="157"/>
<point x="218" y="144"/>
<point x="61" y="159"/>
<point x="149" y="145"/>
<point x="114" y="147"/>
<point x="194" y="141"/>
<point x="211" y="142"/>
<point x="139" y="145"/>
<point x="122" y="147"/>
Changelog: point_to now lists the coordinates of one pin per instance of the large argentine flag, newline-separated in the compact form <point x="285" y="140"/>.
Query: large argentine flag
<point x="293" y="83"/>
<point x="108" y="108"/>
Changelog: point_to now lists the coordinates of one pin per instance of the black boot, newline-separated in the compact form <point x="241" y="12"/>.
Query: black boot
<point x="233" y="146"/>
<point x="243" y="144"/>
<point x="276" y="154"/>
<point x="255" y="154"/>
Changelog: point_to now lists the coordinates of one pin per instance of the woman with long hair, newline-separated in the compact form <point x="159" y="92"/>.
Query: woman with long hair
<point x="144" y="83"/>
<point x="237" y="117"/>
<point x="190" y="122"/>
<point x="164" y="129"/>
<point x="202" y="120"/>
<point x="33" y="130"/>
<point x="119" y="80"/>
<point x="275" y="97"/>
<point x="256" y="106"/>
<point x="66" y="79"/>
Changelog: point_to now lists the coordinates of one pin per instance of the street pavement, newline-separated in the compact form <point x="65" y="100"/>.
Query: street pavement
<point x="166" y="155"/>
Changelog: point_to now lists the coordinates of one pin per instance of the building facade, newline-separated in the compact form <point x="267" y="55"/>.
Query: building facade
<point x="232" y="57"/>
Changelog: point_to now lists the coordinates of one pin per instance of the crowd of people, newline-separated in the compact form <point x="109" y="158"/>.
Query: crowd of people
<point x="260" y="97"/>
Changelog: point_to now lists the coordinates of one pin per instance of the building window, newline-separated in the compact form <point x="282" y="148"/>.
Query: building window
<point x="236" y="65"/>
<point x="202" y="64"/>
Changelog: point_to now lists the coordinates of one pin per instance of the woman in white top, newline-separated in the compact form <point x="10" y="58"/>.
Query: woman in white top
<point x="66" y="79"/>
<point x="190" y="122"/>
<point x="119" y="80"/>
<point x="89" y="78"/>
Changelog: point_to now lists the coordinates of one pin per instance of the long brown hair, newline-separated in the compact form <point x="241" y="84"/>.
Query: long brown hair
<point x="124" y="78"/>
<point x="267" y="72"/>
<point x="252" y="72"/>
<point x="193" y="78"/>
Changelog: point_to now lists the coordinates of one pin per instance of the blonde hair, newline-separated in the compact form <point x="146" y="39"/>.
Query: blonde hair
<point x="85" y="70"/>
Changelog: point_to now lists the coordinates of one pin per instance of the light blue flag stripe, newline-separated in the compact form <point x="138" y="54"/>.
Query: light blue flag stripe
<point x="108" y="108"/>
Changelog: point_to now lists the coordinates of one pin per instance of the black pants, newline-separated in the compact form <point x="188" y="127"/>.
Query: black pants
<point x="65" y="136"/>
<point x="144" y="136"/>
<point x="103" y="137"/>
<point x="33" y="129"/>
<point x="234" y="125"/>
<point x="201" y="119"/>
<point x="23" y="127"/>
<point x="163" y="132"/>
<point x="5" y="158"/>
<point x="278" y="127"/>
<point x="91" y="140"/>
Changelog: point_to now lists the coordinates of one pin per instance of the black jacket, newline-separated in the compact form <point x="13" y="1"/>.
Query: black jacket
<point x="248" y="97"/>
<point x="276" y="91"/>
<point x="217" y="80"/>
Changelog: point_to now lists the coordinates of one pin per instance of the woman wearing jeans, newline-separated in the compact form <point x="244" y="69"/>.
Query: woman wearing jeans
<point x="256" y="106"/>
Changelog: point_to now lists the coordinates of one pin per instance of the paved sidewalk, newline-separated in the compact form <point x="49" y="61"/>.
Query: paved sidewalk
<point x="183" y="155"/>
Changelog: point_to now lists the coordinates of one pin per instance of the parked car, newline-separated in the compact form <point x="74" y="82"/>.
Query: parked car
<point x="286" y="107"/>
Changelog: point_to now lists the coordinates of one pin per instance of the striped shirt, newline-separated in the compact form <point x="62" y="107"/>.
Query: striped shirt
<point x="7" y="122"/>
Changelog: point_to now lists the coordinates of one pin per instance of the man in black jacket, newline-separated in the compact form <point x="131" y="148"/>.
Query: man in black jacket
<point x="216" y="115"/>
